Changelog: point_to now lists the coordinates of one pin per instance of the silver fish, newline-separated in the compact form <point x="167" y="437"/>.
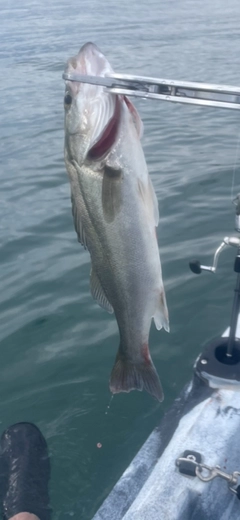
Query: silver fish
<point x="115" y="212"/>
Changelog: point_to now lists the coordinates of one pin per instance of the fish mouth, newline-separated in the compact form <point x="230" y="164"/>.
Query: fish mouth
<point x="99" y="111"/>
<point x="89" y="61"/>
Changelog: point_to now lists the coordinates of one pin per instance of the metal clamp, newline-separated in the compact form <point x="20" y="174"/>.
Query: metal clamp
<point x="207" y="473"/>
<point x="194" y="93"/>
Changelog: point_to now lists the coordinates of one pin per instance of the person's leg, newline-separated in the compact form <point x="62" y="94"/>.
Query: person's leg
<point x="24" y="516"/>
<point x="24" y="473"/>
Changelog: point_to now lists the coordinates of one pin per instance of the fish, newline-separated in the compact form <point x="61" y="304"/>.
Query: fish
<point x="115" y="214"/>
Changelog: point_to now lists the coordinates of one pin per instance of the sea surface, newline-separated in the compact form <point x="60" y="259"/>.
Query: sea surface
<point x="57" y="347"/>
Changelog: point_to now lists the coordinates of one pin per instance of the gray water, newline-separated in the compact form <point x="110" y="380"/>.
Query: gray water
<point x="57" y="346"/>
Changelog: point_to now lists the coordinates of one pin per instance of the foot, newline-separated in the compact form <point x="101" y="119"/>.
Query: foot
<point x="25" y="472"/>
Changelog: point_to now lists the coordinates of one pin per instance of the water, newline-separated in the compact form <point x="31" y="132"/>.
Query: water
<point x="57" y="346"/>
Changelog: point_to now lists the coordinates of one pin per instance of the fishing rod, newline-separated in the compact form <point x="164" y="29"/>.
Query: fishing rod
<point x="219" y="363"/>
<point x="193" y="93"/>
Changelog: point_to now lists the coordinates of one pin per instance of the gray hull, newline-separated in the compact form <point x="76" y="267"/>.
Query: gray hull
<point x="201" y="419"/>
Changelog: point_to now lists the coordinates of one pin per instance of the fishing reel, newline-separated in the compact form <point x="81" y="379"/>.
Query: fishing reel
<point x="219" y="364"/>
<point x="195" y="265"/>
<point x="197" y="268"/>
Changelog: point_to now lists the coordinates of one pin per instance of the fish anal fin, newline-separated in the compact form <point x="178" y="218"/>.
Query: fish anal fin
<point x="98" y="293"/>
<point x="127" y="376"/>
<point x="111" y="192"/>
<point x="78" y="224"/>
<point x="161" y="314"/>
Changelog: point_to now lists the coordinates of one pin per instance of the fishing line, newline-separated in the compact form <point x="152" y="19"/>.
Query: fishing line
<point x="99" y="444"/>
<point x="108" y="407"/>
<point x="235" y="166"/>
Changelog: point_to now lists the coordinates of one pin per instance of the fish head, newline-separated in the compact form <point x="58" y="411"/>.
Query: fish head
<point x="91" y="114"/>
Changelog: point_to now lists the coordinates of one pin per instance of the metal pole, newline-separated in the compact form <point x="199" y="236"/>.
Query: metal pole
<point x="235" y="309"/>
<point x="194" y="93"/>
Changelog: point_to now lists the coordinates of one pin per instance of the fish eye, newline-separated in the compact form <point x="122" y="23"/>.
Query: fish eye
<point x="67" y="99"/>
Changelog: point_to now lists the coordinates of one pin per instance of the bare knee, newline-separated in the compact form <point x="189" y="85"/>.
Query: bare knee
<point x="24" y="516"/>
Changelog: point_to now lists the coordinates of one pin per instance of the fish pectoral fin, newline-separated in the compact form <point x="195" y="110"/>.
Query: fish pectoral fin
<point x="98" y="293"/>
<point x="111" y="192"/>
<point x="149" y="199"/>
<point x="161" y="314"/>
<point x="127" y="376"/>
<point x="78" y="224"/>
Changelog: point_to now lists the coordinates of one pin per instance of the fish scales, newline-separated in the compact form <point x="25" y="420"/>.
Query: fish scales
<point x="115" y="213"/>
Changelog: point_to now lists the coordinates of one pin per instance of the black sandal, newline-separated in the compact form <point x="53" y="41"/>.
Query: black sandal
<point x="24" y="472"/>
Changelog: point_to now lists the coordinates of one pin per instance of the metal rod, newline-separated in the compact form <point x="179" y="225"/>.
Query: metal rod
<point x="234" y="317"/>
<point x="195" y="93"/>
<point x="186" y="99"/>
<point x="196" y="85"/>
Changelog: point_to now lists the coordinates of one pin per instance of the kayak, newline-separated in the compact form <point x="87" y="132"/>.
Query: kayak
<point x="188" y="467"/>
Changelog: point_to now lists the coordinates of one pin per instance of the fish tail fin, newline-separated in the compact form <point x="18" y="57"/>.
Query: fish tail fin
<point x="161" y="314"/>
<point x="127" y="376"/>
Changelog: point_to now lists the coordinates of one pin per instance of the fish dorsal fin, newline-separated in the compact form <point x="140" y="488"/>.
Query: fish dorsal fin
<point x="154" y="202"/>
<point x="149" y="199"/>
<point x="78" y="224"/>
<point x="135" y="117"/>
<point x="161" y="314"/>
<point x="98" y="293"/>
